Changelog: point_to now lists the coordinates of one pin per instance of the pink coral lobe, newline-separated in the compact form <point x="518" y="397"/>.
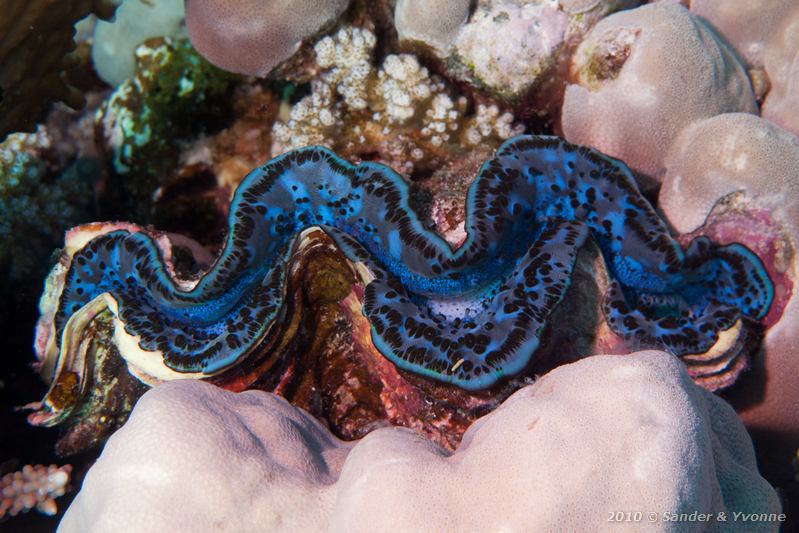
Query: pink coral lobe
<point x="644" y="74"/>
<point x="195" y="457"/>
<point x="733" y="177"/>
<point x="254" y="36"/>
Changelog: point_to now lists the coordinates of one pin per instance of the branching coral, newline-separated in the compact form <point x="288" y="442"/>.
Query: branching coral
<point x="33" y="486"/>
<point x="399" y="110"/>
<point x="35" y="41"/>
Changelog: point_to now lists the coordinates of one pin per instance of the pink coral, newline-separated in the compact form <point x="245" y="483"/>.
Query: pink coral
<point x="643" y="75"/>
<point x="747" y="26"/>
<point x="734" y="177"/>
<point x="603" y="434"/>
<point x="766" y="34"/>
<point x="254" y="36"/>
<point x="782" y="66"/>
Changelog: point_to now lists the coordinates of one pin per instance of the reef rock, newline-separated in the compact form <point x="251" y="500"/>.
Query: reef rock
<point x="195" y="457"/>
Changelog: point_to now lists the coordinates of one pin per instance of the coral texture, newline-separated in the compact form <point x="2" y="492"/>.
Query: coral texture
<point x="782" y="67"/>
<point x="35" y="42"/>
<point x="517" y="51"/>
<point x="114" y="43"/>
<point x="34" y="486"/>
<point x="766" y="35"/>
<point x="643" y="75"/>
<point x="36" y="207"/>
<point x="433" y="22"/>
<point x="196" y="457"/>
<point x="254" y="36"/>
<point x="411" y="118"/>
<point x="747" y="26"/>
<point x="144" y="119"/>
<point x="734" y="177"/>
<point x="468" y="317"/>
<point x="508" y="47"/>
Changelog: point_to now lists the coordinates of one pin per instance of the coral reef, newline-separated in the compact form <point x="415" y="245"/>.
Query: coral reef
<point x="114" y="43"/>
<point x="253" y="37"/>
<point x="34" y="486"/>
<point x="399" y="263"/>
<point x="35" y="45"/>
<point x="411" y="119"/>
<point x="471" y="317"/>
<point x="434" y="23"/>
<point x="192" y="455"/>
<point x="641" y="76"/>
<point x="733" y="177"/>
<point x="514" y="50"/>
<point x="36" y="207"/>
<point x="143" y="121"/>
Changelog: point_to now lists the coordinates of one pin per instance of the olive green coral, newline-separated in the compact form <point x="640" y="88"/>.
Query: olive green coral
<point x="36" y="206"/>
<point x="173" y="94"/>
<point x="36" y="38"/>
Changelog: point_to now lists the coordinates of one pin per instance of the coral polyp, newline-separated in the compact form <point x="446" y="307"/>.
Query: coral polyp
<point x="469" y="316"/>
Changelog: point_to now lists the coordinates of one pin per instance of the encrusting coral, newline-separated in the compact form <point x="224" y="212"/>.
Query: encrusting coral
<point x="143" y="121"/>
<point x="34" y="486"/>
<point x="36" y="206"/>
<point x="35" y="45"/>
<point x="193" y="456"/>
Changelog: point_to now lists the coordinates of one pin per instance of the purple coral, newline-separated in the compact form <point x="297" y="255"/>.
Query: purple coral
<point x="643" y="75"/>
<point x="254" y="36"/>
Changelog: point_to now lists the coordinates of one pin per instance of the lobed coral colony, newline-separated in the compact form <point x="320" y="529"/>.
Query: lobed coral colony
<point x="469" y="316"/>
<point x="397" y="240"/>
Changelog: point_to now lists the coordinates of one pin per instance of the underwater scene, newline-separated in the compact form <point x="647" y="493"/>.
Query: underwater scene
<point x="399" y="265"/>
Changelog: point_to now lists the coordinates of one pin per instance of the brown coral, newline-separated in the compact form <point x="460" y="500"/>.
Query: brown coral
<point x="35" y="53"/>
